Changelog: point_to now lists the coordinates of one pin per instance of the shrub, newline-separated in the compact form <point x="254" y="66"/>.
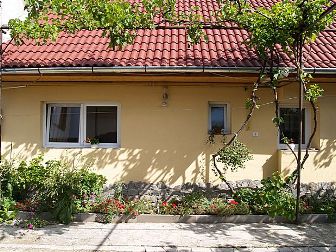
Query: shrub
<point x="28" y="179"/>
<point x="252" y="198"/>
<point x="6" y="179"/>
<point x="195" y="203"/>
<point x="65" y="184"/>
<point x="7" y="209"/>
<point x="276" y="197"/>
<point x="53" y="186"/>
<point x="273" y="198"/>
<point x="323" y="202"/>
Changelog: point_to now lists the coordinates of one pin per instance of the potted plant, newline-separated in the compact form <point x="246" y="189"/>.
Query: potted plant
<point x="93" y="141"/>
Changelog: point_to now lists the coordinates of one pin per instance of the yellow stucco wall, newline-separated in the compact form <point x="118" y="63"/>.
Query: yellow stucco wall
<point x="166" y="143"/>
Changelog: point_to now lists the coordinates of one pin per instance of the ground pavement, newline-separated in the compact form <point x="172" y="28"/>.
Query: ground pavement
<point x="160" y="237"/>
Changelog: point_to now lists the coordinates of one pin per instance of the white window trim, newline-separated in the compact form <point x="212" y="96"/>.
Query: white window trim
<point x="82" y="125"/>
<point x="307" y="127"/>
<point x="227" y="120"/>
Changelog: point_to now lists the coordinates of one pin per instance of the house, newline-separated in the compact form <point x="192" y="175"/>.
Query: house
<point x="152" y="104"/>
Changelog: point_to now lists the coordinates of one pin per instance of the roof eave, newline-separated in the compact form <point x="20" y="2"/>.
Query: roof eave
<point x="149" y="69"/>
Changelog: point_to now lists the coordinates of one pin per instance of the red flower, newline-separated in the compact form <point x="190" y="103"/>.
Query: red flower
<point x="233" y="202"/>
<point x="174" y="205"/>
<point x="164" y="203"/>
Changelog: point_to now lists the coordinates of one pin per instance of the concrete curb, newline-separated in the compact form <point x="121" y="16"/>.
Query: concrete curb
<point x="154" y="218"/>
<point x="42" y="247"/>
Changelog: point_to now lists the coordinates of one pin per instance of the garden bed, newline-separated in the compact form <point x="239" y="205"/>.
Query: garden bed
<point x="65" y="191"/>
<point x="156" y="218"/>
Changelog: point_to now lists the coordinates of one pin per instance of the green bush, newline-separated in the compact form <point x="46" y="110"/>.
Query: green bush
<point x="320" y="202"/>
<point x="195" y="203"/>
<point x="7" y="210"/>
<point x="56" y="185"/>
<point x="28" y="179"/>
<point x="276" y="197"/>
<point x="273" y="198"/>
<point x="6" y="177"/>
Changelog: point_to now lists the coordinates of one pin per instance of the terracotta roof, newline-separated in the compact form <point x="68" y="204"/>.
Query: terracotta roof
<point x="163" y="47"/>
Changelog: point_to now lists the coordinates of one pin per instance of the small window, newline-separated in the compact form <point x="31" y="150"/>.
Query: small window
<point x="218" y="118"/>
<point x="290" y="126"/>
<point x="70" y="125"/>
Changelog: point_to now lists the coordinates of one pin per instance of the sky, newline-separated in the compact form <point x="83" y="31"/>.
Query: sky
<point x="11" y="9"/>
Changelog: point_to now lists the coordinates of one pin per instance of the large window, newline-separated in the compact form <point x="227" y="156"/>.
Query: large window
<point x="71" y="125"/>
<point x="290" y="126"/>
<point x="218" y="118"/>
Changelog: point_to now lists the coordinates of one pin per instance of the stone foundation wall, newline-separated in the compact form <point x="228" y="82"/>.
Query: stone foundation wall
<point x="160" y="191"/>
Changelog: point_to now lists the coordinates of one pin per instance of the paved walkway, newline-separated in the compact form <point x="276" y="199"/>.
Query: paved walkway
<point x="170" y="237"/>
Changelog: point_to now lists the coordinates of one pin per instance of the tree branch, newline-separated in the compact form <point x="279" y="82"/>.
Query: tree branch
<point x="312" y="104"/>
<point x="248" y="117"/>
<point x="326" y="12"/>
<point x="221" y="175"/>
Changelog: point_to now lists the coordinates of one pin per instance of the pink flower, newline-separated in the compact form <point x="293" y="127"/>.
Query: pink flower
<point x="30" y="226"/>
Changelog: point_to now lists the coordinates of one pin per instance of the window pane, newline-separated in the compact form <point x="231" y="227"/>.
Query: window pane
<point x="101" y="123"/>
<point x="64" y="124"/>
<point x="217" y="119"/>
<point x="290" y="126"/>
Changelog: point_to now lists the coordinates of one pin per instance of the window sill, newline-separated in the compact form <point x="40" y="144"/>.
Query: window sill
<point x="50" y="146"/>
<point x="296" y="150"/>
<point x="221" y="134"/>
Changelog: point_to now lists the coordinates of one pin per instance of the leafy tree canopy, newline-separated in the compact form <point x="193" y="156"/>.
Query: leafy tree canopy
<point x="119" y="19"/>
<point x="280" y="24"/>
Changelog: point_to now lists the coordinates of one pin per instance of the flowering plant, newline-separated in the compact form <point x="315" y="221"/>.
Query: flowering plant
<point x="109" y="206"/>
<point x="232" y="202"/>
<point x="112" y="207"/>
<point x="221" y="207"/>
<point x="170" y="206"/>
<point x="92" y="140"/>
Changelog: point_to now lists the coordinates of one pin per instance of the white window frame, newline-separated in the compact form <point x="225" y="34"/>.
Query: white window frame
<point x="82" y="125"/>
<point x="226" y="107"/>
<point x="307" y="126"/>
